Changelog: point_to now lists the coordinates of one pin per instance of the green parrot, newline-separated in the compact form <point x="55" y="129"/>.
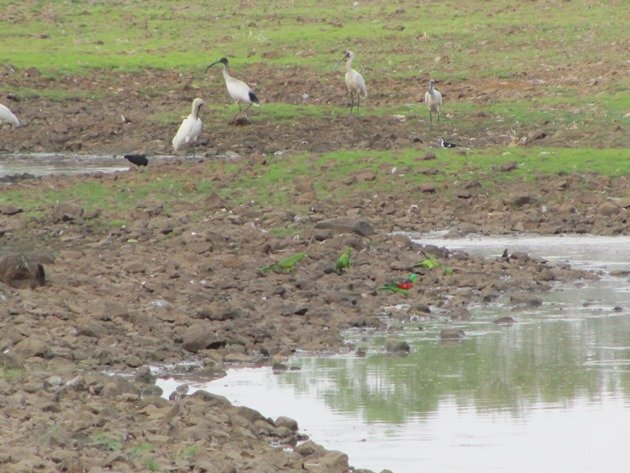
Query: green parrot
<point x="401" y="286"/>
<point x="343" y="261"/>
<point x="431" y="262"/>
<point x="284" y="266"/>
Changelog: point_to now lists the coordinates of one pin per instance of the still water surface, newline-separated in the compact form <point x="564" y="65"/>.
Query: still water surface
<point x="44" y="164"/>
<point x="550" y="393"/>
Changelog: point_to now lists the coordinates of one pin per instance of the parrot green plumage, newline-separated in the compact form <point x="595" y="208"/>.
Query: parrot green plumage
<point x="401" y="286"/>
<point x="431" y="262"/>
<point x="284" y="266"/>
<point x="343" y="261"/>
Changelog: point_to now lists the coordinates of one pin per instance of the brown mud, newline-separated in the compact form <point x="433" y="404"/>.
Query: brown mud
<point x="184" y="281"/>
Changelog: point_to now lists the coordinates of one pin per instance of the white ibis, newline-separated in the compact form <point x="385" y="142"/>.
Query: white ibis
<point x="190" y="128"/>
<point x="354" y="81"/>
<point x="7" y="116"/>
<point x="433" y="99"/>
<point x="238" y="90"/>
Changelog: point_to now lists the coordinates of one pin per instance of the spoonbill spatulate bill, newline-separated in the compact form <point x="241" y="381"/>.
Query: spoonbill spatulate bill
<point x="433" y="100"/>
<point x="354" y="81"/>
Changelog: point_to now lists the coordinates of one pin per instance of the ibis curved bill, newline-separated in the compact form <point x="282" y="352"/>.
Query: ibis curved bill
<point x="354" y="81"/>
<point x="6" y="115"/>
<point x="433" y="99"/>
<point x="240" y="92"/>
<point x="190" y="128"/>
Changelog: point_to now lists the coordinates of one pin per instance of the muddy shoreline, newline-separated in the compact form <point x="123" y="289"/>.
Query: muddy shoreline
<point x="173" y="286"/>
<point x="184" y="281"/>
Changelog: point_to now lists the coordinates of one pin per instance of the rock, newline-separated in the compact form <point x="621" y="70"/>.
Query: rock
<point x="608" y="209"/>
<point x="92" y="329"/>
<point x="32" y="346"/>
<point x="518" y="200"/>
<point x="309" y="448"/>
<point x="211" y="399"/>
<point x="523" y="299"/>
<point x="546" y="275"/>
<point x="279" y="368"/>
<point x="9" y="210"/>
<point x="198" y="337"/>
<point x="238" y="358"/>
<point x="509" y="166"/>
<point x="8" y="362"/>
<point x="335" y="461"/>
<point x="347" y="225"/>
<point x="286" y="422"/>
<point x="66" y="213"/>
<point x="428" y="156"/>
<point x="21" y="271"/>
<point x="428" y="188"/>
<point x="395" y="345"/>
<point x="143" y="375"/>
<point x="452" y="333"/>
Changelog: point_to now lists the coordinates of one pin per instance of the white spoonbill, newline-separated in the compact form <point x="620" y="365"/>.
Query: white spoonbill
<point x="354" y="81"/>
<point x="433" y="99"/>
<point x="238" y="90"/>
<point x="7" y="116"/>
<point x="190" y="128"/>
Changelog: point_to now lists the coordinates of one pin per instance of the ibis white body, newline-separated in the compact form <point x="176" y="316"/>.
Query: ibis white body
<point x="190" y="128"/>
<point x="433" y="100"/>
<point x="240" y="92"/>
<point x="354" y="81"/>
<point x="6" y="115"/>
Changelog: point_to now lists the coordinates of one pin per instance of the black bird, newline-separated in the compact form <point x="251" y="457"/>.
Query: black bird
<point x="137" y="159"/>
<point x="446" y="144"/>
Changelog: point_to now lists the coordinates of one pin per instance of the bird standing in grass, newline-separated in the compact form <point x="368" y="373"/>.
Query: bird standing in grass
<point x="433" y="99"/>
<point x="7" y="116"/>
<point x="354" y="81"/>
<point x="190" y="128"/>
<point x="238" y="90"/>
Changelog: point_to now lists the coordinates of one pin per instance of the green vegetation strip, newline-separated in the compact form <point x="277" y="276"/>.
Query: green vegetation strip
<point x="275" y="181"/>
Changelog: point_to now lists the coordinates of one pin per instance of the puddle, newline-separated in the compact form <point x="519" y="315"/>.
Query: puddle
<point x="550" y="393"/>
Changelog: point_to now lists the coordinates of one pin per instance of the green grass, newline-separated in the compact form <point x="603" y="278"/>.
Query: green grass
<point x="106" y="441"/>
<point x="70" y="36"/>
<point x="275" y="182"/>
<point x="10" y="373"/>
<point x="568" y="57"/>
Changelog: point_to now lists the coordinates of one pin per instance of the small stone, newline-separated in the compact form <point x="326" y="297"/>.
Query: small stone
<point x="452" y="333"/>
<point x="394" y="345"/>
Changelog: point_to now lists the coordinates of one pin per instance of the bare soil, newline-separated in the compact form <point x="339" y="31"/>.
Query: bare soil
<point x="185" y="282"/>
<point x="140" y="112"/>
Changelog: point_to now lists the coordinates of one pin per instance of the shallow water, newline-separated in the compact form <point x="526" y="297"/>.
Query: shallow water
<point x="44" y="164"/>
<point x="550" y="393"/>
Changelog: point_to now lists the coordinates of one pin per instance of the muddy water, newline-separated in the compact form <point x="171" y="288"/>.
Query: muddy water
<point x="43" y="164"/>
<point x="550" y="393"/>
